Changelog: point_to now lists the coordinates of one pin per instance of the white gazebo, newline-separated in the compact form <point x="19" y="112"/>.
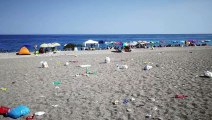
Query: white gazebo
<point x="91" y="42"/>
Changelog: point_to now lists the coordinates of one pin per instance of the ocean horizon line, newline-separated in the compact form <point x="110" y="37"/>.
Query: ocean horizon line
<point x="120" y="34"/>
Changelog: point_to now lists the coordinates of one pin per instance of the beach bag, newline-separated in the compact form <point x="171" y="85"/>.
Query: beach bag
<point x="107" y="60"/>
<point x="44" y="64"/>
<point x="18" y="111"/>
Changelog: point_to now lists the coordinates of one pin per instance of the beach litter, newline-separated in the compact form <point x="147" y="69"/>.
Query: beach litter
<point x="77" y="75"/>
<point x="85" y="66"/>
<point x="157" y="65"/>
<point x="30" y="117"/>
<point x="39" y="113"/>
<point x="181" y="96"/>
<point x="18" y="112"/>
<point x="148" y="116"/>
<point x="107" y="60"/>
<point x="152" y="99"/>
<point x="148" y="63"/>
<point x="88" y="72"/>
<point x="3" y="89"/>
<point x="55" y="105"/>
<point x="115" y="102"/>
<point x="56" y="83"/>
<point x="122" y="66"/>
<point x="44" y="64"/>
<point x="129" y="110"/>
<point x="208" y="74"/>
<point x="155" y="108"/>
<point x="147" y="67"/>
<point x="4" y="110"/>
<point x="132" y="99"/>
<point x="42" y="96"/>
<point x="66" y="64"/>
<point x="57" y="87"/>
<point x="125" y="101"/>
<point x="73" y="61"/>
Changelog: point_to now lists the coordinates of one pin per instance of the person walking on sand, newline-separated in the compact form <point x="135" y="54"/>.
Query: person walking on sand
<point x="35" y="49"/>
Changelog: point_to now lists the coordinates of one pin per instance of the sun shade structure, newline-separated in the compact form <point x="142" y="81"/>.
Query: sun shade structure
<point x="91" y="42"/>
<point x="23" y="51"/>
<point x="45" y="45"/>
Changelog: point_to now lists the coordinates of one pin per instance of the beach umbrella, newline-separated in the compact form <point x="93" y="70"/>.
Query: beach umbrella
<point x="55" y="44"/>
<point x="50" y="45"/>
<point x="125" y="44"/>
<point x="133" y="43"/>
<point x="44" y="45"/>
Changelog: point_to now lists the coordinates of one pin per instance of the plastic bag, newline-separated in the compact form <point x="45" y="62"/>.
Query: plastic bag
<point x="66" y="64"/>
<point x="107" y="60"/>
<point x="18" y="111"/>
<point x="44" y="64"/>
<point x="122" y="66"/>
<point x="208" y="74"/>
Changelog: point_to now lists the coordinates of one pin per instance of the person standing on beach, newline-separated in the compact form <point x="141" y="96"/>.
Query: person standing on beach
<point x="35" y="49"/>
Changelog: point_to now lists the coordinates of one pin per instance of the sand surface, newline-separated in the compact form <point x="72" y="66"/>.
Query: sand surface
<point x="138" y="92"/>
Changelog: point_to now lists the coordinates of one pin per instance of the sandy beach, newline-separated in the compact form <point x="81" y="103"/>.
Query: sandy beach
<point x="137" y="93"/>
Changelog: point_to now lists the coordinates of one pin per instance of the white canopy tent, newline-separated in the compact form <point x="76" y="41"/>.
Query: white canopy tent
<point x="91" y="42"/>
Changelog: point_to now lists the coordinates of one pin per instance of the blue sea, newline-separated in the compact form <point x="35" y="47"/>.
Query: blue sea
<point x="12" y="43"/>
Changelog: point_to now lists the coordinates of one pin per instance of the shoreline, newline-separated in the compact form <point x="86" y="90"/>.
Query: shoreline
<point x="84" y="52"/>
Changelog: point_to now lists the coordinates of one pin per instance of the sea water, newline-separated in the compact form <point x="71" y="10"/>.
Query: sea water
<point x="12" y="43"/>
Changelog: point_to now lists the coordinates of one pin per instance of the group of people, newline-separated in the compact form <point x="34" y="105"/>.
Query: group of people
<point x="42" y="50"/>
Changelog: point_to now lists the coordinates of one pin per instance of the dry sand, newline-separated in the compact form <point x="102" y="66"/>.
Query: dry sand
<point x="90" y="97"/>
